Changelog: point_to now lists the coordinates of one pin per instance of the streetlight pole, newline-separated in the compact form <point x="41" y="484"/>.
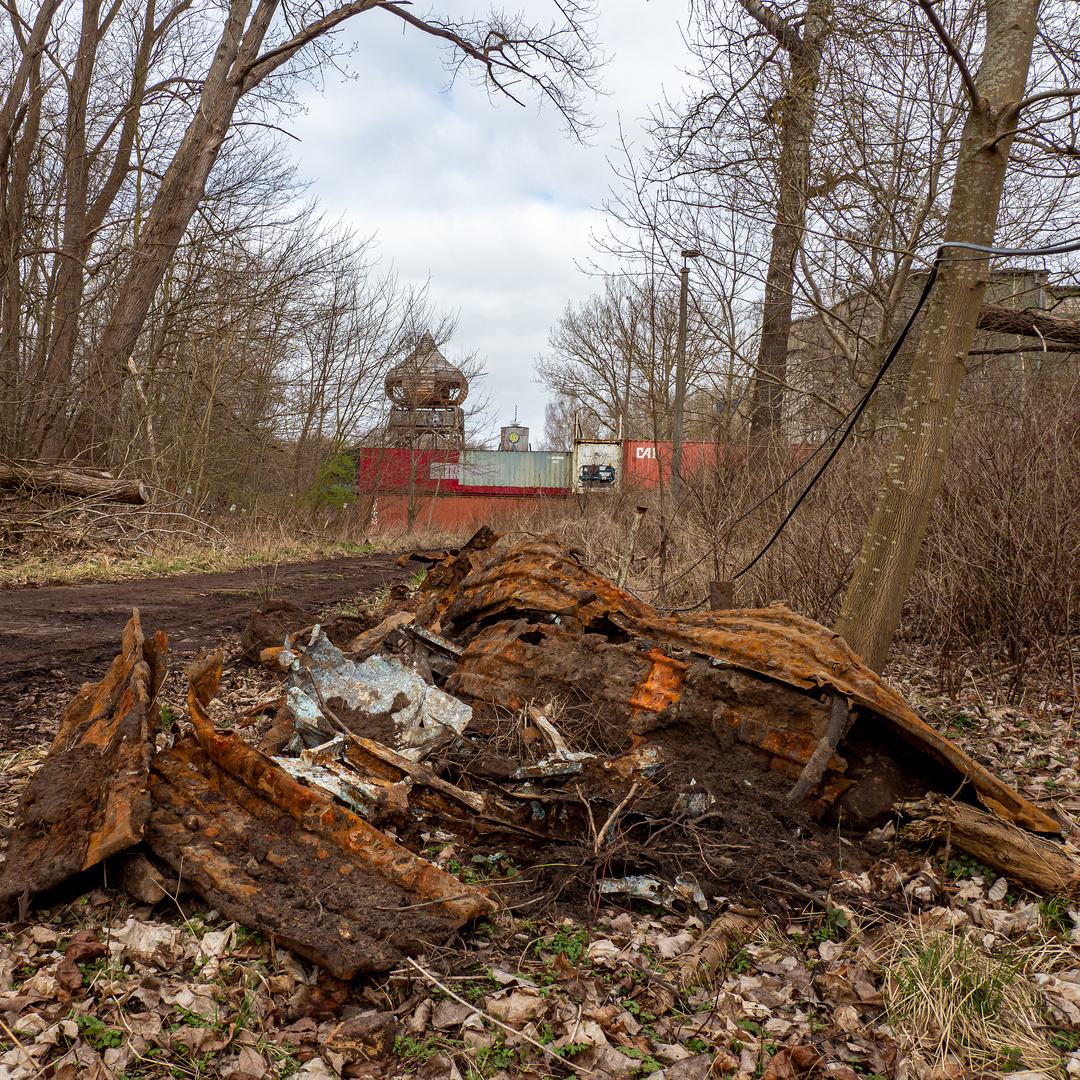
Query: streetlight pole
<point x="680" y="384"/>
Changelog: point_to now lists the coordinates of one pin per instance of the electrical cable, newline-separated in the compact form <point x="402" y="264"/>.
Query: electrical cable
<point x="757" y="506"/>
<point x="939" y="258"/>
<point x="853" y="415"/>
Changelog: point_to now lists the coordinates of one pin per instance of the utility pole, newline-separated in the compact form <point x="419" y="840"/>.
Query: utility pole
<point x="680" y="385"/>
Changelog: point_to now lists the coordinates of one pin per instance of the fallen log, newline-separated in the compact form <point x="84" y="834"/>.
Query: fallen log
<point x="1037" y="863"/>
<point x="66" y="481"/>
<point x="707" y="958"/>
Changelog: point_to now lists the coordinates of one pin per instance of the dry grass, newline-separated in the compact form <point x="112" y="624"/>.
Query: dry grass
<point x="947" y="997"/>
<point x="16" y="768"/>
<point x="66" y="557"/>
<point x="578" y="722"/>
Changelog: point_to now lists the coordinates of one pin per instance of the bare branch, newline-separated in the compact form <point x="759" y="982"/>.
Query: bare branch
<point x="1045" y="95"/>
<point x="977" y="100"/>
<point x="767" y="18"/>
<point x="467" y="47"/>
<point x="252" y="74"/>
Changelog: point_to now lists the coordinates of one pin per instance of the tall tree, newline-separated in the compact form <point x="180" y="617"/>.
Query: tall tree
<point x="996" y="108"/>
<point x="556" y="61"/>
<point x="796" y="111"/>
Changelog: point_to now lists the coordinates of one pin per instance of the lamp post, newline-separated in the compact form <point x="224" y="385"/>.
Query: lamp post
<point x="680" y="384"/>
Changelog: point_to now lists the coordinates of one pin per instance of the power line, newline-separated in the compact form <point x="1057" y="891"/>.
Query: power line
<point x="1057" y="249"/>
<point x="853" y="415"/>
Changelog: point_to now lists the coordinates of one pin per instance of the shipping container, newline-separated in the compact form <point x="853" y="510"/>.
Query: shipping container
<point x="597" y="466"/>
<point x="386" y="469"/>
<point x="518" y="472"/>
<point x="644" y="463"/>
<point x="450" y="513"/>
<point x="485" y="472"/>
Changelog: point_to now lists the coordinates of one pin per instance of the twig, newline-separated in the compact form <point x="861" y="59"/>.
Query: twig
<point x="335" y="722"/>
<point x="802" y="894"/>
<point x="498" y="1023"/>
<point x="588" y="810"/>
<point x="29" y="1056"/>
<point x="614" y="817"/>
<point x="978" y="102"/>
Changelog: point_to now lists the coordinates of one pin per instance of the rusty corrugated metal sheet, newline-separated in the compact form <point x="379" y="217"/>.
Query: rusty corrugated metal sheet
<point x="261" y="847"/>
<point x="544" y="579"/>
<point x="90" y="797"/>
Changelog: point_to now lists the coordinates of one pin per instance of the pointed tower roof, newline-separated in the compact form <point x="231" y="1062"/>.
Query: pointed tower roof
<point x="425" y="378"/>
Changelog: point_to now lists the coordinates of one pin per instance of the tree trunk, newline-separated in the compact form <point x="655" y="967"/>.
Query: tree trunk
<point x="20" y="120"/>
<point x="237" y="67"/>
<point x="874" y="599"/>
<point x="182" y="188"/>
<point x="83" y="216"/>
<point x="83" y="485"/>
<point x="797" y="110"/>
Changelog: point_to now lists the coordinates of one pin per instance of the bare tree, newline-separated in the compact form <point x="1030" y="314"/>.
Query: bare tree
<point x="555" y="60"/>
<point x="116" y="117"/>
<point x="997" y="111"/>
<point x="612" y="360"/>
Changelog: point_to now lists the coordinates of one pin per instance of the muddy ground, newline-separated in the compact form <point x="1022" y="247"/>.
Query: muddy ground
<point x="52" y="640"/>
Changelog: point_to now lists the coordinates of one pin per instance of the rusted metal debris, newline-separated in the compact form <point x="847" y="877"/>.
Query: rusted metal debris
<point x="388" y="781"/>
<point x="511" y="629"/>
<point x="538" y="624"/>
<point x="377" y="753"/>
<point x="289" y="861"/>
<point x="262" y="848"/>
<point x="90" y="797"/>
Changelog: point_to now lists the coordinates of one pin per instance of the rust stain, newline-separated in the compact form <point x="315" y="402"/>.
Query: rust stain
<point x="789" y="745"/>
<point x="282" y="858"/>
<point x="659" y="688"/>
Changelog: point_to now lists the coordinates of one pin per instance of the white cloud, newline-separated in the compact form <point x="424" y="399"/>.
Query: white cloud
<point x="493" y="202"/>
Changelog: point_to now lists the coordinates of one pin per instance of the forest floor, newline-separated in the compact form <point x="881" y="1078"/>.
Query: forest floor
<point x="907" y="962"/>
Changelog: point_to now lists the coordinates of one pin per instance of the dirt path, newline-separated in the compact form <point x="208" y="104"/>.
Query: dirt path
<point x="52" y="640"/>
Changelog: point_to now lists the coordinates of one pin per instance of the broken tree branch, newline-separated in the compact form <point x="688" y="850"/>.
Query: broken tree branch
<point x="1029" y="322"/>
<point x="628" y="555"/>
<point x="1040" y="864"/>
<point x="614" y="817"/>
<point x="815" y="768"/>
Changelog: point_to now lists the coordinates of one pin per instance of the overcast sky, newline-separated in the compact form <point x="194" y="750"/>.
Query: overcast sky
<point x="494" y="203"/>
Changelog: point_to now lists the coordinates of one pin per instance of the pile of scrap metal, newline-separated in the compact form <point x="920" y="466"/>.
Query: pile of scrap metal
<point x="262" y="848"/>
<point x="316" y="838"/>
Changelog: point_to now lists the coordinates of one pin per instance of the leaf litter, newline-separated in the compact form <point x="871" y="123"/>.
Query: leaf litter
<point x="880" y="959"/>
